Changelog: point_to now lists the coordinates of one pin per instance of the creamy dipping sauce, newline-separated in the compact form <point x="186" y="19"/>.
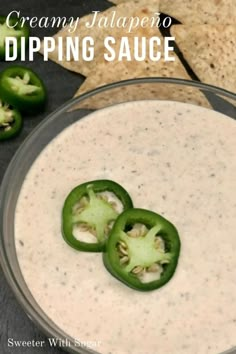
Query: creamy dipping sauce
<point x="175" y="159"/>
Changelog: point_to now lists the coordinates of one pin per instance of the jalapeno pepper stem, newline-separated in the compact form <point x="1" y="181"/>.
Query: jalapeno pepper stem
<point x="142" y="251"/>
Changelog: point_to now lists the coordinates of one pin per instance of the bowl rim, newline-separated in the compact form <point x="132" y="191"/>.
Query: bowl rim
<point x="21" y="298"/>
<point x="103" y="88"/>
<point x="106" y="87"/>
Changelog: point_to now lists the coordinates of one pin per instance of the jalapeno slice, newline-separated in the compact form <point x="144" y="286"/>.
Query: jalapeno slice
<point x="142" y="250"/>
<point x="23" y="89"/>
<point x="18" y="31"/>
<point x="10" y="121"/>
<point x="90" y="209"/>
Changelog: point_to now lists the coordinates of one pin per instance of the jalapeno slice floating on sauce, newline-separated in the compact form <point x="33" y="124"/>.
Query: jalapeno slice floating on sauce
<point x="142" y="250"/>
<point x="10" y="121"/>
<point x="89" y="212"/>
<point x="23" y="89"/>
<point x="14" y="30"/>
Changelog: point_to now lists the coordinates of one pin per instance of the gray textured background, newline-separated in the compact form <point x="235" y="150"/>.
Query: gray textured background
<point x="61" y="85"/>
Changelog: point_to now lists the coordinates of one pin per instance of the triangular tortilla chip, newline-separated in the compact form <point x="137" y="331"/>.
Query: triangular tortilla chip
<point x="128" y="10"/>
<point x="110" y="72"/>
<point x="210" y="51"/>
<point x="117" y="2"/>
<point x="200" y="11"/>
<point x="150" y="91"/>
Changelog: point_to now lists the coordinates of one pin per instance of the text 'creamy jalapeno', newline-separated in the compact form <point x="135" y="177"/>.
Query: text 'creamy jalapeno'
<point x="142" y="250"/>
<point x="90" y="211"/>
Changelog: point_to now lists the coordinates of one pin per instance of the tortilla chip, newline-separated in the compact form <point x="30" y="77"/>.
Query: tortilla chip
<point x="200" y="11"/>
<point x="128" y="9"/>
<point x="110" y="72"/>
<point x="141" y="91"/>
<point x="117" y="2"/>
<point x="210" y="51"/>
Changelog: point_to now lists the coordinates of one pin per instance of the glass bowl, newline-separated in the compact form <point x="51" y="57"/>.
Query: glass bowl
<point x="138" y="89"/>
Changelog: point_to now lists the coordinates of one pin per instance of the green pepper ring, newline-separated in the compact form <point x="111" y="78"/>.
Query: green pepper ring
<point x="15" y="127"/>
<point x="25" y="33"/>
<point x="76" y="194"/>
<point x="29" y="103"/>
<point x="169" y="234"/>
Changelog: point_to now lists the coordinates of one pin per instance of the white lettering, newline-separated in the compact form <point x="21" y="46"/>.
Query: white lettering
<point x="140" y="47"/>
<point x="167" y="22"/>
<point x="52" y="342"/>
<point x="33" y="22"/>
<point x="158" y="20"/>
<point x="10" y="342"/>
<point x="72" y="48"/>
<point x="10" y="48"/>
<point x="134" y="22"/>
<point x="49" y="47"/>
<point x="22" y="49"/>
<point x="112" y="52"/>
<point x="34" y="47"/>
<point x="152" y="56"/>
<point x="88" y="48"/>
<point x="59" y="21"/>
<point x="89" y="25"/>
<point x="12" y="13"/>
<point x="168" y="49"/>
<point x="73" y="24"/>
<point x="124" y="49"/>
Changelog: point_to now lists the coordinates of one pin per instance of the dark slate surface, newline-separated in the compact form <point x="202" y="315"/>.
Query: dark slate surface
<point x="61" y="85"/>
